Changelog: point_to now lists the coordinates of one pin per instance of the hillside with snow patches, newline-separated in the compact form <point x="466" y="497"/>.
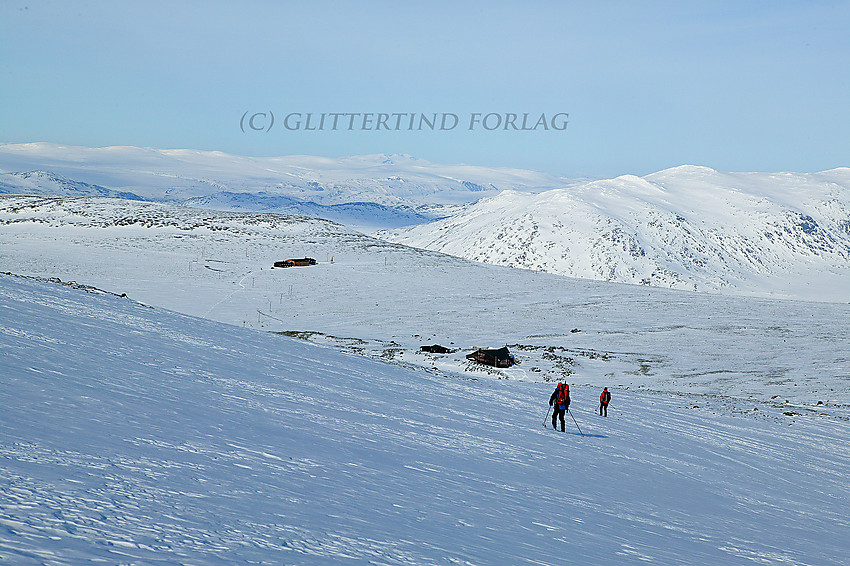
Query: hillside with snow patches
<point x="135" y="435"/>
<point x="784" y="235"/>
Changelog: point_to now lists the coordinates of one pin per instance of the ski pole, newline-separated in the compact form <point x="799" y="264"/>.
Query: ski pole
<point x="547" y="416"/>
<point x="574" y="420"/>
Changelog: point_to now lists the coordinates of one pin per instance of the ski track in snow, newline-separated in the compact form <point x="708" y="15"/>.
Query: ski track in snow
<point x="135" y="435"/>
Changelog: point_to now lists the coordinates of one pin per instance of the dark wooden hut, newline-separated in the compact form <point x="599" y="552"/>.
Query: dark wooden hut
<point x="295" y="262"/>
<point x="436" y="349"/>
<point x="500" y="358"/>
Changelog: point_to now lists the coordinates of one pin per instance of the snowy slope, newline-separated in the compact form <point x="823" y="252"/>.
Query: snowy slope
<point x="133" y="435"/>
<point x="686" y="228"/>
<point x="383" y="300"/>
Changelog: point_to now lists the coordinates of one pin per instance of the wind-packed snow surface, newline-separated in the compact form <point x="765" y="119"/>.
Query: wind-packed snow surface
<point x="133" y="435"/>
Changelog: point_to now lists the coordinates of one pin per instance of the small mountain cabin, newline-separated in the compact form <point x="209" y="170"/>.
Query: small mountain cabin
<point x="436" y="349"/>
<point x="295" y="262"/>
<point x="500" y="358"/>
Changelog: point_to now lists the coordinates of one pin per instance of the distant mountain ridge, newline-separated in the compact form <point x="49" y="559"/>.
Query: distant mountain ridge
<point x="47" y="183"/>
<point x="684" y="228"/>
<point x="161" y="173"/>
<point x="353" y="213"/>
<point x="366" y="191"/>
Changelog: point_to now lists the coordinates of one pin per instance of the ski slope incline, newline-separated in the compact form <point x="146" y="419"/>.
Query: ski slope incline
<point x="137" y="435"/>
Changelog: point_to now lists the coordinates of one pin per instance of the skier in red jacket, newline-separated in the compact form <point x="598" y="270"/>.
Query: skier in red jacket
<point x="604" y="399"/>
<point x="560" y="402"/>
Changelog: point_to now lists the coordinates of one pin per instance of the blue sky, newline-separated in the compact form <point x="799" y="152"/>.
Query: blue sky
<point x="737" y="86"/>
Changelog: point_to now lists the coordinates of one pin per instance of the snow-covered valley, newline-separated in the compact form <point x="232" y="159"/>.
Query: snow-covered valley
<point x="386" y="300"/>
<point x="367" y="191"/>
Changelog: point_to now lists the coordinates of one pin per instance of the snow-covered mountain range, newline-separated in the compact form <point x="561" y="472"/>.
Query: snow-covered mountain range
<point x="47" y="183"/>
<point x="769" y="234"/>
<point x="372" y="190"/>
<point x="686" y="228"/>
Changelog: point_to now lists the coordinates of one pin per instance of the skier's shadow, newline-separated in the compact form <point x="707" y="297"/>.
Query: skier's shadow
<point x="585" y="435"/>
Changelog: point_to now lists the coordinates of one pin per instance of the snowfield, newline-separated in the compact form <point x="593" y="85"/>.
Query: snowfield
<point x="384" y="300"/>
<point x="135" y="435"/>
<point x="175" y="174"/>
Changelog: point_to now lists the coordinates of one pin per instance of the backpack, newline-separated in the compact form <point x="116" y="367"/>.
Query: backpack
<point x="563" y="393"/>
